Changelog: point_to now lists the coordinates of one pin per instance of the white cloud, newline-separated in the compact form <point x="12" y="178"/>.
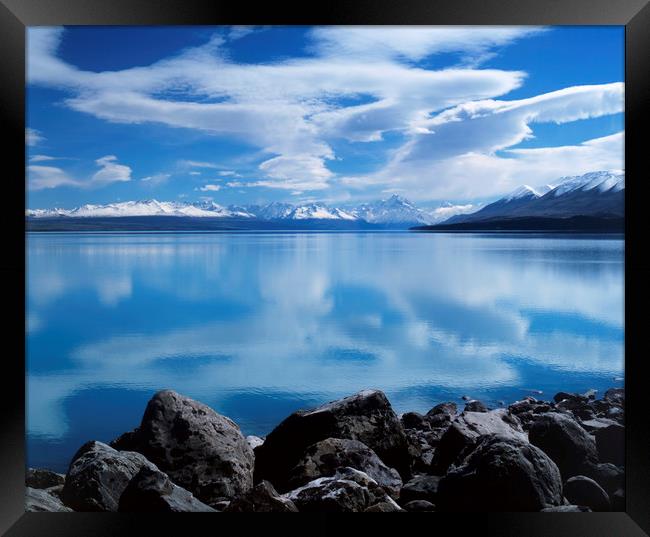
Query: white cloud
<point x="33" y="137"/>
<point x="210" y="188"/>
<point x="43" y="177"/>
<point x="156" y="179"/>
<point x="110" y="172"/>
<point x="41" y="158"/>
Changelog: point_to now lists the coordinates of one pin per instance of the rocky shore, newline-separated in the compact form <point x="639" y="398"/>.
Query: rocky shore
<point x="354" y="454"/>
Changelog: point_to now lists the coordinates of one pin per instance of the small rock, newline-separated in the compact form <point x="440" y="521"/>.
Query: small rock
<point x="349" y="490"/>
<point x="421" y="487"/>
<point x="254" y="441"/>
<point x="501" y="473"/>
<point x="384" y="507"/>
<point x="38" y="500"/>
<point x="325" y="457"/>
<point x="98" y="475"/>
<point x="466" y="398"/>
<point x="151" y="491"/>
<point x="449" y="409"/>
<point x="564" y="441"/>
<point x="615" y="395"/>
<point x="617" y="500"/>
<point x="610" y="442"/>
<point x="475" y="406"/>
<point x="40" y="478"/>
<point x="262" y="498"/>
<point x="590" y="394"/>
<point x="415" y="420"/>
<point x="419" y="506"/>
<point x="580" y="490"/>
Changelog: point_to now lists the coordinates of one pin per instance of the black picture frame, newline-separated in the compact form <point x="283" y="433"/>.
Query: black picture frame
<point x="16" y="15"/>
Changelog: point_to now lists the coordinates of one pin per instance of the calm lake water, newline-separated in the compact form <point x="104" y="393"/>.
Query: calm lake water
<point x="258" y="325"/>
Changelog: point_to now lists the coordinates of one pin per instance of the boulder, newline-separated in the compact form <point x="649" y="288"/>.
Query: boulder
<point x="466" y="429"/>
<point x="39" y="500"/>
<point x="384" y="507"/>
<point x="610" y="443"/>
<point x="564" y="441"/>
<point x="366" y="417"/>
<point x="572" y="397"/>
<point x="349" y="490"/>
<point x="593" y="425"/>
<point x="151" y="491"/>
<point x="475" y="406"/>
<point x="617" y="500"/>
<point x="262" y="498"/>
<point x="609" y="476"/>
<point x="567" y="509"/>
<point x="200" y="450"/>
<point x="420" y="487"/>
<point x="442" y="414"/>
<point x="98" y="475"/>
<point x="40" y="478"/>
<point x="415" y="420"/>
<point x="323" y="458"/>
<point x="580" y="490"/>
<point x="501" y="474"/>
<point x="615" y="396"/>
<point x="419" y="506"/>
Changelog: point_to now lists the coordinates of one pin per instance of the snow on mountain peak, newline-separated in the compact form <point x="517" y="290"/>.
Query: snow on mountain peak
<point x="602" y="180"/>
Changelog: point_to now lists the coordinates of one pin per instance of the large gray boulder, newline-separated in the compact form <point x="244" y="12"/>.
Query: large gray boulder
<point x="38" y="500"/>
<point x="324" y="458"/>
<point x="98" y="475"/>
<point x="151" y="491"/>
<point x="501" y="474"/>
<point x="262" y="498"/>
<point x="610" y="443"/>
<point x="348" y="490"/>
<point x="564" y="441"/>
<point x="420" y="487"/>
<point x="467" y="428"/>
<point x="200" y="450"/>
<point x="366" y="416"/>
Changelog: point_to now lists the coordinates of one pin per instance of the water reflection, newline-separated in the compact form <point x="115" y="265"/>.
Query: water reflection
<point x="257" y="325"/>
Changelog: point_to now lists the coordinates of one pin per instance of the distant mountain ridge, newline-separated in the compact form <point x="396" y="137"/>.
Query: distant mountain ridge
<point x="395" y="211"/>
<point x="598" y="194"/>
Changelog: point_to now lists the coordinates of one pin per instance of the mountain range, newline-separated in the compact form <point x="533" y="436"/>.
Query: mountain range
<point x="595" y="200"/>
<point x="394" y="211"/>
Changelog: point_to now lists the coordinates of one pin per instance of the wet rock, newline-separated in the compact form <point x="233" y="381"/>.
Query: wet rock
<point x="615" y="413"/>
<point x="325" y="457"/>
<point x="466" y="429"/>
<point x="564" y="441"/>
<point x="98" y="475"/>
<point x="421" y="487"/>
<point x="448" y="408"/>
<point x="262" y="498"/>
<point x="419" y="506"/>
<point x="580" y="490"/>
<point x="415" y="420"/>
<point x="349" y="490"/>
<point x="39" y="500"/>
<point x="366" y="417"/>
<point x="151" y="491"/>
<point x="610" y="442"/>
<point x="567" y="509"/>
<point x="571" y="397"/>
<point x="40" y="478"/>
<point x="199" y="449"/>
<point x="254" y="441"/>
<point x="475" y="406"/>
<point x="501" y="474"/>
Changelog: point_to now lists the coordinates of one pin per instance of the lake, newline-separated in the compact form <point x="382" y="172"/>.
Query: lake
<point x="258" y="325"/>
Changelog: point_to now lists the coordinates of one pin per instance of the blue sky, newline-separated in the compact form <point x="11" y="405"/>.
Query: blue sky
<point x="337" y="114"/>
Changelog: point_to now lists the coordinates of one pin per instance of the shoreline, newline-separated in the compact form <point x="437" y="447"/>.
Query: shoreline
<point x="354" y="454"/>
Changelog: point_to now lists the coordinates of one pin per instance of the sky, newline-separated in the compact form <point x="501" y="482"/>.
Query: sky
<point x="343" y="115"/>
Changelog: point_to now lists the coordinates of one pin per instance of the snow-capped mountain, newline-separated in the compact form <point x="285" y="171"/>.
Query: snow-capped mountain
<point x="594" y="194"/>
<point x="319" y="211"/>
<point x="394" y="210"/>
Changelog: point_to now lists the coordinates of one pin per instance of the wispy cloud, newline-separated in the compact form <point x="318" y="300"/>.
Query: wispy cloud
<point x="33" y="137"/>
<point x="44" y="177"/>
<point x="210" y="188"/>
<point x="156" y="179"/>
